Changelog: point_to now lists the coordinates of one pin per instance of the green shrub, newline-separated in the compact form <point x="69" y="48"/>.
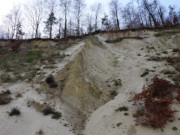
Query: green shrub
<point x="51" y="81"/>
<point x="113" y="93"/>
<point x="118" y="124"/>
<point x="48" y="110"/>
<point x="126" y="114"/>
<point x="117" y="82"/>
<point x="15" y="111"/>
<point x="56" y="115"/>
<point x="5" y="97"/>
<point x="146" y="72"/>
<point x="174" y="128"/>
<point x="33" y="55"/>
<point x="123" y="108"/>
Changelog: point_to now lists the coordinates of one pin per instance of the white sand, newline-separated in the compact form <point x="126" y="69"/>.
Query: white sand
<point x="129" y="67"/>
<point x="114" y="61"/>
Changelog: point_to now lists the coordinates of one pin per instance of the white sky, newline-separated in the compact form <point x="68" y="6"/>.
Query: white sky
<point x="6" y="5"/>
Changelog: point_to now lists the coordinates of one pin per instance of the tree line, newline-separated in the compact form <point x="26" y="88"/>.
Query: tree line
<point x="64" y="18"/>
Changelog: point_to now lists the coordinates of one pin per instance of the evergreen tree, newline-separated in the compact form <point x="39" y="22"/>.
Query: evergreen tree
<point x="50" y="22"/>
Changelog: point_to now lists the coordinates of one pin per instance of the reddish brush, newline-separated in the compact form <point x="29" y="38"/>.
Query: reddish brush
<point x="168" y="22"/>
<point x="15" y="46"/>
<point x="155" y="103"/>
<point x="178" y="96"/>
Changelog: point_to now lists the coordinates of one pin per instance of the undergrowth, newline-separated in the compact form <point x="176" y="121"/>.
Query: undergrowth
<point x="51" y="81"/>
<point x="121" y="39"/>
<point x="15" y="111"/>
<point x="154" y="103"/>
<point x="5" y="97"/>
<point x="48" y="110"/>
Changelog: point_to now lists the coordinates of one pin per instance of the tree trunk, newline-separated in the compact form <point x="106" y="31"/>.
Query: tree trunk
<point x="151" y="15"/>
<point x="36" y="34"/>
<point x="78" y="31"/>
<point x="117" y="20"/>
<point x="65" y="27"/>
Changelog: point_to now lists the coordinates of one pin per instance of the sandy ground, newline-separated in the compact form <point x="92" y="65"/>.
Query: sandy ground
<point x="129" y="67"/>
<point x="89" y="70"/>
<point x="32" y="121"/>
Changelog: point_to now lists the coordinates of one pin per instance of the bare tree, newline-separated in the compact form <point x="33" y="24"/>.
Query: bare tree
<point x="34" y="14"/>
<point x="114" y="9"/>
<point x="11" y="22"/>
<point x="79" y="5"/>
<point x="89" y="21"/>
<point x="173" y="17"/>
<point x="131" y="16"/>
<point x="19" y="31"/>
<point x="161" y="12"/>
<point x="98" y="8"/>
<point x="105" y="22"/>
<point x="65" y="4"/>
<point x="152" y="10"/>
<point x="58" y="36"/>
<point x="179" y="16"/>
<point x="2" y="33"/>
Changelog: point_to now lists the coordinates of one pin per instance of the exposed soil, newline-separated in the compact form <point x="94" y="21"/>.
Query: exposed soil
<point x="93" y="79"/>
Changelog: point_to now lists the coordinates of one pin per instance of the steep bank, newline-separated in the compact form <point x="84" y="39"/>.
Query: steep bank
<point x="132" y="56"/>
<point x="94" y="79"/>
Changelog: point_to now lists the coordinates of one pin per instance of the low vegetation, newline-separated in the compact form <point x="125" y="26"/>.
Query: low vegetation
<point x="123" y="108"/>
<point x="113" y="93"/>
<point x="15" y="112"/>
<point x="154" y="103"/>
<point x="51" y="81"/>
<point x="25" y="62"/>
<point x="5" y="97"/>
<point x="48" y="110"/>
<point x="174" y="128"/>
<point x="121" y="39"/>
<point x="146" y="72"/>
<point x="118" y="124"/>
<point x="45" y="109"/>
<point x="117" y="82"/>
<point x="168" y="72"/>
<point x="40" y="132"/>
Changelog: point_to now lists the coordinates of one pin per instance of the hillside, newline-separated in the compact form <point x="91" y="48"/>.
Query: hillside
<point x="90" y="79"/>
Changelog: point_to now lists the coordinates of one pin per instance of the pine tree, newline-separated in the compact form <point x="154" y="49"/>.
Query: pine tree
<point x="50" y="22"/>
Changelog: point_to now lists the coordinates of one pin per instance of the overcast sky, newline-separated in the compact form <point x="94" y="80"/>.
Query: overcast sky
<point x="6" y="5"/>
